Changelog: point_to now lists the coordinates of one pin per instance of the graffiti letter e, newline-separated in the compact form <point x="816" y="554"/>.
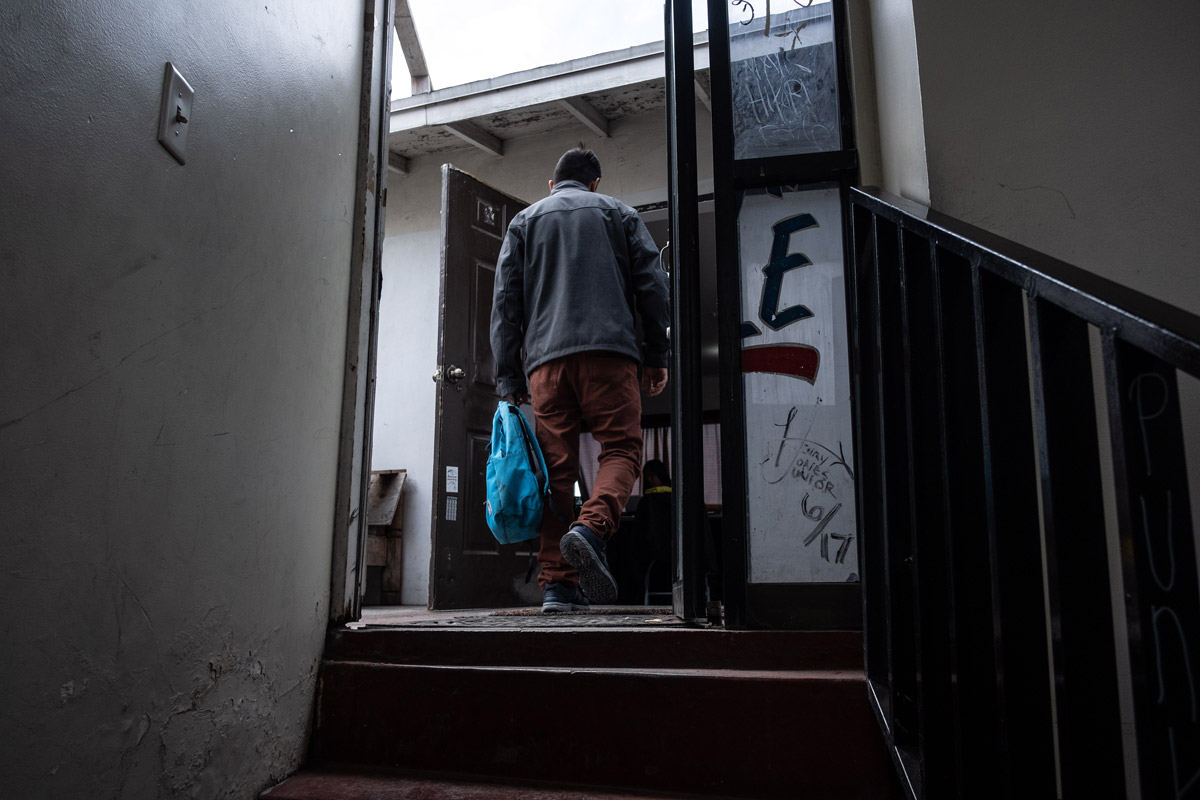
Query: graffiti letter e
<point x="782" y="262"/>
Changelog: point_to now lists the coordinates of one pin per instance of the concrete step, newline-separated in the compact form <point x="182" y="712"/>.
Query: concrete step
<point x="768" y="733"/>
<point x="603" y="647"/>
<point x="332" y="784"/>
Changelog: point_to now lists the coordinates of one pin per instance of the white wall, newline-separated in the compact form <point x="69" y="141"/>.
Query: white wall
<point x="171" y="356"/>
<point x="1071" y="128"/>
<point x="634" y="162"/>
<point x="901" y="134"/>
<point x="863" y="89"/>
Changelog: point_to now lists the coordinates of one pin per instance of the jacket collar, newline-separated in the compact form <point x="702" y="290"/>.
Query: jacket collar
<point x="562" y="186"/>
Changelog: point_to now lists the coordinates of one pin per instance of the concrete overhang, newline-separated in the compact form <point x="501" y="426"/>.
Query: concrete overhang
<point x="588" y="93"/>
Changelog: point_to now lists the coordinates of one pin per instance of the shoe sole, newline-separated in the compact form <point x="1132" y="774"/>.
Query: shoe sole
<point x="597" y="582"/>
<point x="562" y="608"/>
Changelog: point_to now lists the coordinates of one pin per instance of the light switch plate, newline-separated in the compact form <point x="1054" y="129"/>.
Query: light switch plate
<point x="175" y="116"/>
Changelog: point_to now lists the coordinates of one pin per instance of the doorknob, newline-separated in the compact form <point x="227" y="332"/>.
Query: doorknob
<point x="450" y="374"/>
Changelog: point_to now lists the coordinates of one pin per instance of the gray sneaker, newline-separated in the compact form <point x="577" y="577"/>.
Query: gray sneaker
<point x="559" y="597"/>
<point x="584" y="551"/>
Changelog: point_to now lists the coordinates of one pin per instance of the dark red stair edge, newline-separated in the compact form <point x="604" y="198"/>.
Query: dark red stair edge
<point x="302" y="786"/>
<point x="352" y="729"/>
<point x="718" y="649"/>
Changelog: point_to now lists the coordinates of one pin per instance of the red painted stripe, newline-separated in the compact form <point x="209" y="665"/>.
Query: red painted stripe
<point x="798" y="360"/>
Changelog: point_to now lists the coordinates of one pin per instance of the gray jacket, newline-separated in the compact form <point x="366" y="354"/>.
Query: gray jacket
<point x="572" y="269"/>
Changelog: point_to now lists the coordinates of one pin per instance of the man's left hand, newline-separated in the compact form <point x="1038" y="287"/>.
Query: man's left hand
<point x="654" y="380"/>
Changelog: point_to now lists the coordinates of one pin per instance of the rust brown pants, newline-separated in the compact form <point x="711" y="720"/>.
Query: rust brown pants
<point x="601" y="390"/>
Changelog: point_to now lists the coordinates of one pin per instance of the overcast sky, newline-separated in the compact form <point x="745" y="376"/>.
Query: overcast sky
<point x="467" y="40"/>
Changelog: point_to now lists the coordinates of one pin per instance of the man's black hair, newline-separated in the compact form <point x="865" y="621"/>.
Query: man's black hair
<point x="577" y="164"/>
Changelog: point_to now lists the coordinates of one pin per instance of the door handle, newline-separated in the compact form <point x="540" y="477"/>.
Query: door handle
<point x="450" y="374"/>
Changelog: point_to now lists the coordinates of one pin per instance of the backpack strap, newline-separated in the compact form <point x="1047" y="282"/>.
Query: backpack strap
<point x="539" y="464"/>
<point x="541" y="474"/>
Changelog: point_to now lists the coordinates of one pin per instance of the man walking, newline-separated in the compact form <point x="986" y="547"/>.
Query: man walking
<point x="572" y="270"/>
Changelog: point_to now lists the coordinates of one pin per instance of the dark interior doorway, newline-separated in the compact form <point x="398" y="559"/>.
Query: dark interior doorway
<point x="469" y="569"/>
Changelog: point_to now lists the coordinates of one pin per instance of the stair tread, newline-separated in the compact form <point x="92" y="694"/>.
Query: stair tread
<point x="592" y="647"/>
<point x="645" y="672"/>
<point x="317" y="784"/>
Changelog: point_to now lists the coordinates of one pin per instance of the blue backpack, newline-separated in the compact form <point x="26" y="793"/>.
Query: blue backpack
<point x="517" y="483"/>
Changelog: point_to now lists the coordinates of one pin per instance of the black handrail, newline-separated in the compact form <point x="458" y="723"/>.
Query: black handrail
<point x="993" y="609"/>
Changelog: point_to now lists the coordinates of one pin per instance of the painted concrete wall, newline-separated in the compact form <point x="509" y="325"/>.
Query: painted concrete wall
<point x="1071" y="128"/>
<point x="863" y="88"/>
<point x="634" y="161"/>
<point x="171" y="355"/>
<point x="901" y="133"/>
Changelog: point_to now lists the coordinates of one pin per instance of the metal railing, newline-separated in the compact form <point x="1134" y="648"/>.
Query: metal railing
<point x="996" y="607"/>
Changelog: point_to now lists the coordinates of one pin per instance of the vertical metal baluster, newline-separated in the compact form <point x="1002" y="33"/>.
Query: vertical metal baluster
<point x="883" y="565"/>
<point x="901" y="678"/>
<point x="1014" y="536"/>
<point x="1085" y="675"/>
<point x="865" y="362"/>
<point x="1162" y="592"/>
<point x="971" y="617"/>
<point x="950" y="782"/>
<point x="927" y="519"/>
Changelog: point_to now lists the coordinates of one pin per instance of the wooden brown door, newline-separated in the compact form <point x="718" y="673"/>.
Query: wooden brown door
<point x="470" y="569"/>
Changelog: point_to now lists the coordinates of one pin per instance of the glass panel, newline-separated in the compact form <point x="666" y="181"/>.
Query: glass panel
<point x="796" y="378"/>
<point x="784" y="74"/>
<point x="484" y="365"/>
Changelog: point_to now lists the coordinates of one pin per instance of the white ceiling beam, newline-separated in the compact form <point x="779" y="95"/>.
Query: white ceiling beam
<point x="472" y="133"/>
<point x="702" y="95"/>
<point x="533" y="87"/>
<point x="397" y="162"/>
<point x="586" y="113"/>
<point x="410" y="45"/>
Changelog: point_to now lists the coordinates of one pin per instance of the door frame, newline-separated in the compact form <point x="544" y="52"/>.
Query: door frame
<point x="687" y="400"/>
<point x="784" y="605"/>
<point x="362" y="322"/>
